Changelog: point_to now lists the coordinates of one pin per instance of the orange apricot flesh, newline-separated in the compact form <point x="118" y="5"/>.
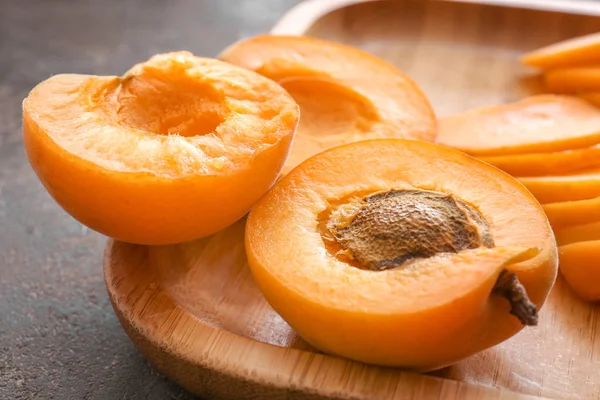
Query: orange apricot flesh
<point x="571" y="213"/>
<point x="367" y="98"/>
<point x="555" y="189"/>
<point x="573" y="80"/>
<point x="423" y="315"/>
<point x="176" y="149"/>
<point x="547" y="164"/>
<point x="591" y="97"/>
<point x="577" y="233"/>
<point x="537" y="124"/>
<point x="580" y="268"/>
<point x="578" y="51"/>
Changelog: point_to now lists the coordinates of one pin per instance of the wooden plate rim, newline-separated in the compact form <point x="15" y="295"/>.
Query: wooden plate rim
<point x="298" y="20"/>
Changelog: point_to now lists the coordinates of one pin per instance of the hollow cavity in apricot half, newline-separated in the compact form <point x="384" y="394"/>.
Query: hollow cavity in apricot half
<point x="406" y="254"/>
<point x="345" y="94"/>
<point x="176" y="149"/>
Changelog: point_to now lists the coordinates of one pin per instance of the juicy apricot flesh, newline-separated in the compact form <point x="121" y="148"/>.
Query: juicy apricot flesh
<point x="345" y="94"/>
<point x="177" y="148"/>
<point x="426" y="313"/>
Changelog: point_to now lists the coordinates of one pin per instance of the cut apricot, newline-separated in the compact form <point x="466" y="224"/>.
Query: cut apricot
<point x="403" y="255"/>
<point x="345" y="94"/>
<point x="580" y="268"/>
<point x="571" y="213"/>
<point x="554" y="189"/>
<point x="537" y="124"/>
<point x="577" y="233"/>
<point x="178" y="148"/>
<point x="591" y="97"/>
<point x="573" y="80"/>
<point x="582" y="50"/>
<point x="547" y="164"/>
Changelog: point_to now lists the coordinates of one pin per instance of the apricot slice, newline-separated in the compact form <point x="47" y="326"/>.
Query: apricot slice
<point x="591" y="97"/>
<point x="403" y="255"/>
<point x="537" y="124"/>
<point x="573" y="80"/>
<point x="582" y="50"/>
<point x="570" y="213"/>
<point x="177" y="148"/>
<point x="578" y="233"/>
<point x="345" y="94"/>
<point x="554" y="189"/>
<point x="547" y="164"/>
<point x="580" y="268"/>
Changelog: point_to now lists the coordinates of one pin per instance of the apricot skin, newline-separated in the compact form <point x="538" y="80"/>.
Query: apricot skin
<point x="141" y="205"/>
<point x="406" y="317"/>
<point x="579" y="266"/>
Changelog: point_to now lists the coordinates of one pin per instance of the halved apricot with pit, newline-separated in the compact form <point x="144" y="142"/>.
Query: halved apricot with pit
<point x="537" y="124"/>
<point x="406" y="254"/>
<point x="345" y="94"/>
<point x="178" y="148"/>
<point x="580" y="268"/>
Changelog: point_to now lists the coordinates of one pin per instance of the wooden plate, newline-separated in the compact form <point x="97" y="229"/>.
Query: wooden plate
<point x="194" y="311"/>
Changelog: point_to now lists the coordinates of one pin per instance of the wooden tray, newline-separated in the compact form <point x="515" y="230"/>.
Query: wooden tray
<point x="194" y="311"/>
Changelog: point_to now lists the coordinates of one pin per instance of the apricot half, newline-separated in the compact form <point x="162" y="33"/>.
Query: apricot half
<point x="177" y="148"/>
<point x="537" y="124"/>
<point x="403" y="255"/>
<point x="345" y="94"/>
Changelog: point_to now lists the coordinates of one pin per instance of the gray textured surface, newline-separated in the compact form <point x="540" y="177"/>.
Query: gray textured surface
<point x="59" y="338"/>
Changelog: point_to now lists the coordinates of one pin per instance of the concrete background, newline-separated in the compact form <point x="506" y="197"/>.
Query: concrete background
<point x="59" y="338"/>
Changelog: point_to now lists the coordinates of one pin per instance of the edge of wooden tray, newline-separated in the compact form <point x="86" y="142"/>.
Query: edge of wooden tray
<point x="300" y="18"/>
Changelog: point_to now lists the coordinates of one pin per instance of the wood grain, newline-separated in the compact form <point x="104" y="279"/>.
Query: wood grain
<point x="196" y="314"/>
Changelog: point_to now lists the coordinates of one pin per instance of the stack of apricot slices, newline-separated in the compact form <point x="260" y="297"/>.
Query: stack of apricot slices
<point x="551" y="143"/>
<point x="571" y="66"/>
<point x="372" y="242"/>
